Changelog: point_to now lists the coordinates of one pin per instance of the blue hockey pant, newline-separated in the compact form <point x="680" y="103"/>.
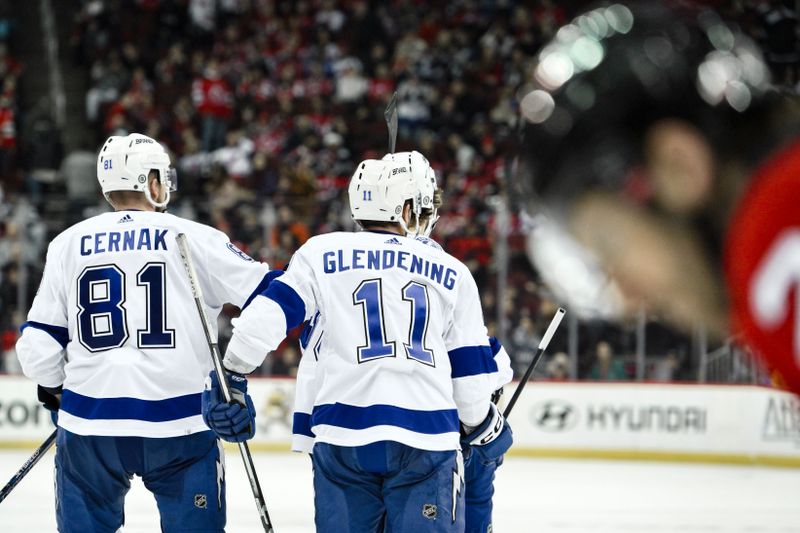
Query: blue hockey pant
<point x="479" y="482"/>
<point x="387" y="487"/>
<point x="185" y="474"/>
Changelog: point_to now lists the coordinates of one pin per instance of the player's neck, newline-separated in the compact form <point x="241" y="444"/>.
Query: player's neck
<point x="388" y="228"/>
<point x="134" y="207"/>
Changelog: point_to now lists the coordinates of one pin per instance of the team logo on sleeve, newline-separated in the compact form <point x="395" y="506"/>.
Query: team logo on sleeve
<point x="233" y="248"/>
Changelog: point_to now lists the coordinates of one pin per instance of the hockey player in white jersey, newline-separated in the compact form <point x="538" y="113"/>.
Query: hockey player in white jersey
<point x="404" y="363"/>
<point x="479" y="466"/>
<point x="113" y="338"/>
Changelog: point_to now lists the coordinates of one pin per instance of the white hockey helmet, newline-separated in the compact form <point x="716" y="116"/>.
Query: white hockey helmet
<point x="124" y="163"/>
<point x="425" y="179"/>
<point x="379" y="190"/>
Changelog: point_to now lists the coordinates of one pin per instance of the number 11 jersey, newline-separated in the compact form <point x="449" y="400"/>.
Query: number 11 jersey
<point x="405" y="354"/>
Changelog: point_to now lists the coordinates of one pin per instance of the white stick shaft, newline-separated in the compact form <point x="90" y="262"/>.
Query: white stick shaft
<point x="551" y="329"/>
<point x="197" y="292"/>
<point x="216" y="357"/>
<point x="538" y="355"/>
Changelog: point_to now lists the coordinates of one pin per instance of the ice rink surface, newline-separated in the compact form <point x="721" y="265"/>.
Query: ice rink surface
<point x="533" y="495"/>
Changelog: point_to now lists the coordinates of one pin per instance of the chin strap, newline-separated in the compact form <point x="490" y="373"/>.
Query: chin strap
<point x="431" y="223"/>
<point x="155" y="204"/>
<point x="416" y="214"/>
<point x="407" y="231"/>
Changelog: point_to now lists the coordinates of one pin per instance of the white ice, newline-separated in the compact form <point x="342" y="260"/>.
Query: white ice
<point x="533" y="495"/>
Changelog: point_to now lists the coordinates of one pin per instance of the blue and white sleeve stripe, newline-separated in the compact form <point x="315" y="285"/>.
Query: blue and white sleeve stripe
<point x="301" y="424"/>
<point x="289" y="301"/>
<point x="471" y="361"/>
<point x="41" y="352"/>
<point x="60" y="334"/>
<point x="501" y="358"/>
<point x="262" y="286"/>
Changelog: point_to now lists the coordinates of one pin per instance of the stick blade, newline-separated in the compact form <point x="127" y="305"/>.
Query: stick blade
<point x="390" y="114"/>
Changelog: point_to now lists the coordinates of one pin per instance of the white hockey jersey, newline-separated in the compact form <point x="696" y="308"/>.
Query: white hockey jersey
<point x="405" y="353"/>
<point x="305" y="393"/>
<point x="306" y="385"/>
<point x="115" y="322"/>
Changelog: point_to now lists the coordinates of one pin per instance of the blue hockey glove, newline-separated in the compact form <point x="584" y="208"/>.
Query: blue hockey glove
<point x="491" y="439"/>
<point x="51" y="400"/>
<point x="232" y="422"/>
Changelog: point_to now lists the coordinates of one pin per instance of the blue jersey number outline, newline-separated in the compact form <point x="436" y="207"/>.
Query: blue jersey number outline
<point x="102" y="323"/>
<point x="369" y="295"/>
<point x="417" y="295"/>
<point x="102" y="317"/>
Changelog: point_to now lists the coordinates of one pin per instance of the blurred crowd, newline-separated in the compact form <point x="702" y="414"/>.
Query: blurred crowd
<point x="22" y="235"/>
<point x="267" y="106"/>
<point x="10" y="69"/>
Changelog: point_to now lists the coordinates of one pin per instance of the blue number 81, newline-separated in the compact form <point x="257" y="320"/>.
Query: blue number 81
<point x="102" y="320"/>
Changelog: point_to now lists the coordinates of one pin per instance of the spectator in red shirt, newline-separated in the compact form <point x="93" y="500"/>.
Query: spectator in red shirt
<point x="213" y="99"/>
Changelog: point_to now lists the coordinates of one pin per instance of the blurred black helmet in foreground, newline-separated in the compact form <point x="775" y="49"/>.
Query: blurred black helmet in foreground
<point x="666" y="173"/>
<point x="614" y="71"/>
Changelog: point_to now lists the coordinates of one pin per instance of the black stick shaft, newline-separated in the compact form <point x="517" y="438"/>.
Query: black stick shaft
<point x="29" y="464"/>
<point x="551" y="329"/>
<point x="244" y="449"/>
<point x="391" y="121"/>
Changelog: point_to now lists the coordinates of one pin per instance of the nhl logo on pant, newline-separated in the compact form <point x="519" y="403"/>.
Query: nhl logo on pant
<point x="429" y="511"/>
<point x="200" y="501"/>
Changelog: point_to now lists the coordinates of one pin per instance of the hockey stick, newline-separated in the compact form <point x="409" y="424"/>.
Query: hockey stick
<point x="551" y="329"/>
<point x="244" y="449"/>
<point x="29" y="464"/>
<point x="390" y="114"/>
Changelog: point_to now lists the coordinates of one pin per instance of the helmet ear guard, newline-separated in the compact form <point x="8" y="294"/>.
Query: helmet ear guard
<point x="158" y="205"/>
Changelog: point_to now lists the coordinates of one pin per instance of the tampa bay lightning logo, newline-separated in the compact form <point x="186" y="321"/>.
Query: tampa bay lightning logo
<point x="429" y="242"/>
<point x="233" y="248"/>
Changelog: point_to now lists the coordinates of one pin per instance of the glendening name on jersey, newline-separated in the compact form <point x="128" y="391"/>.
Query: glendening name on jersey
<point x="115" y="296"/>
<point x="339" y="261"/>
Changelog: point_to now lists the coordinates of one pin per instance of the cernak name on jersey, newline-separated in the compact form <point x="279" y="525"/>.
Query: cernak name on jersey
<point x="123" y="241"/>
<point x="339" y="261"/>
